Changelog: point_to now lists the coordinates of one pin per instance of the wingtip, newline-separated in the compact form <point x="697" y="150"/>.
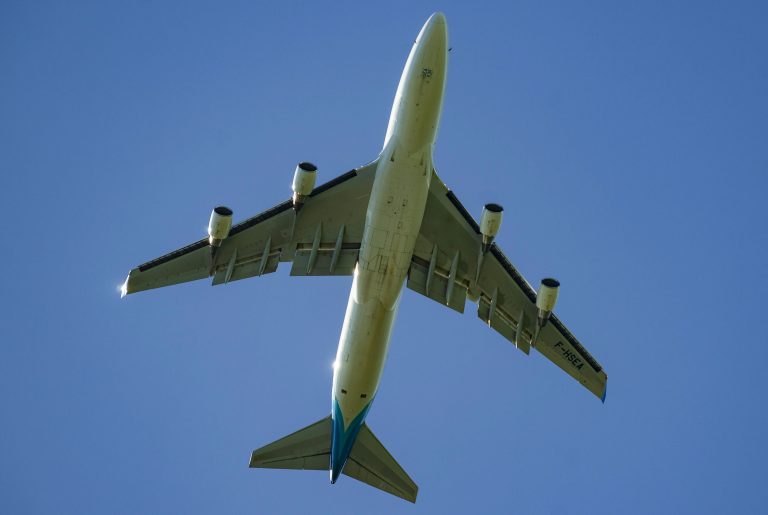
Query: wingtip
<point x="124" y="287"/>
<point x="605" y="392"/>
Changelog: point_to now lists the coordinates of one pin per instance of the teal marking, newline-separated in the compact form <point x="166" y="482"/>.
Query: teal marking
<point x="342" y="440"/>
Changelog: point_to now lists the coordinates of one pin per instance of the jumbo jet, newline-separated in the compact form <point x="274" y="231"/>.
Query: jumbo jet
<point x="390" y="223"/>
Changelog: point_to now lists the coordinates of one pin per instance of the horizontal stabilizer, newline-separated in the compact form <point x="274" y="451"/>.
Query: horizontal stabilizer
<point x="310" y="449"/>
<point x="371" y="463"/>
<point x="306" y="449"/>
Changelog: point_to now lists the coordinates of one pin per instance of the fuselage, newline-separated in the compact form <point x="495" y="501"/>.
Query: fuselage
<point x="392" y="224"/>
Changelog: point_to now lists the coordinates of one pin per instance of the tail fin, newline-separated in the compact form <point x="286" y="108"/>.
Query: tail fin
<point x="310" y="449"/>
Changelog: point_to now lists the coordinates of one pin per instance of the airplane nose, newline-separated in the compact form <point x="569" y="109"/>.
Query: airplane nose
<point x="437" y="19"/>
<point x="434" y="26"/>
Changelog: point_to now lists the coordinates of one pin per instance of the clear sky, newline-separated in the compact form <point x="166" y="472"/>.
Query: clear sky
<point x="627" y="141"/>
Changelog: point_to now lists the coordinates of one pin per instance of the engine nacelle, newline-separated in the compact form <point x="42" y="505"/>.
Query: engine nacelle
<point x="546" y="299"/>
<point x="219" y="225"/>
<point x="303" y="183"/>
<point x="490" y="223"/>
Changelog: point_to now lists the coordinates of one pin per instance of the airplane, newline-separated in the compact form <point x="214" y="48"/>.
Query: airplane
<point x="390" y="223"/>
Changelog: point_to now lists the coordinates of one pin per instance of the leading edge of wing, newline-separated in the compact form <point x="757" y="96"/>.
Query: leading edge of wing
<point x="531" y="294"/>
<point x="245" y="224"/>
<point x="487" y="286"/>
<point x="518" y="278"/>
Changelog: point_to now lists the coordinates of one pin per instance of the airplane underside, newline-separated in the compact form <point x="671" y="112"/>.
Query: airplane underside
<point x="391" y="223"/>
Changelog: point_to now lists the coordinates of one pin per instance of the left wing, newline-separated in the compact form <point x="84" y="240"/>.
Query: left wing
<point x="323" y="238"/>
<point x="449" y="265"/>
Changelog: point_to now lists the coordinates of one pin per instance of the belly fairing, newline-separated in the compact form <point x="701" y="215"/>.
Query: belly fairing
<point x="392" y="225"/>
<point x="393" y="221"/>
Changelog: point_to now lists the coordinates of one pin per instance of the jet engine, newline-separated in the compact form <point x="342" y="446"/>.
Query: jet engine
<point x="546" y="299"/>
<point x="490" y="223"/>
<point x="303" y="183"/>
<point x="219" y="225"/>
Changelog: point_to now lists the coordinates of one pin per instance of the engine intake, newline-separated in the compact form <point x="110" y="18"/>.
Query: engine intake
<point x="303" y="183"/>
<point x="546" y="299"/>
<point x="490" y="223"/>
<point x="219" y="225"/>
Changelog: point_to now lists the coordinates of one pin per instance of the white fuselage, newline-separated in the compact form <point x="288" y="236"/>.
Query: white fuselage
<point x="392" y="223"/>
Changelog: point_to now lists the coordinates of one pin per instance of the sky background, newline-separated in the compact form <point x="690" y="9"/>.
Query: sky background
<point x="627" y="141"/>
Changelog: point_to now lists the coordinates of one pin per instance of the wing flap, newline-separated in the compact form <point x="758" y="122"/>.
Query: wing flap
<point x="325" y="262"/>
<point x="370" y="462"/>
<point x="503" y="323"/>
<point x="437" y="286"/>
<point x="243" y="269"/>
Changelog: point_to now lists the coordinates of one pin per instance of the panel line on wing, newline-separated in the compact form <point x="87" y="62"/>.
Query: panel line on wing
<point x="513" y="273"/>
<point x="266" y="215"/>
<point x="173" y="255"/>
<point x="461" y="209"/>
<point x="334" y="182"/>
<point x="250" y="222"/>
<point x="575" y="343"/>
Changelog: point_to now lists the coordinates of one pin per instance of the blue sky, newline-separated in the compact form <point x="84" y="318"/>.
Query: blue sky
<point x="626" y="140"/>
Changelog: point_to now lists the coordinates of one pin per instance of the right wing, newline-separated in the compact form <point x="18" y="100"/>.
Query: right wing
<point x="448" y="266"/>
<point x="322" y="239"/>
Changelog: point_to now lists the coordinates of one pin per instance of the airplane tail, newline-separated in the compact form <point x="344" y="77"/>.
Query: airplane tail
<point x="310" y="449"/>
